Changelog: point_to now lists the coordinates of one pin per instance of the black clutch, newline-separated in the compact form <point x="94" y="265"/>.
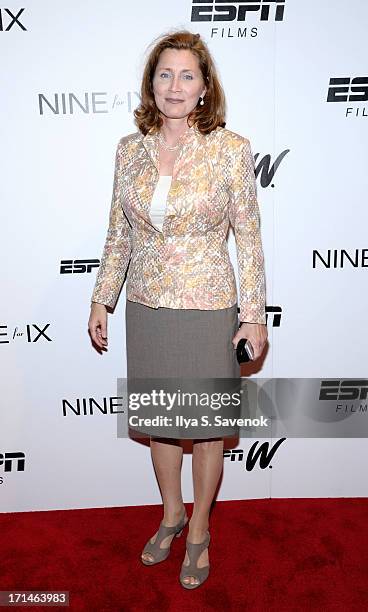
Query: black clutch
<point x="244" y="351"/>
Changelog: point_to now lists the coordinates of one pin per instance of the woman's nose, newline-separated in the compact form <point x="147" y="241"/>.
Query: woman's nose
<point x="175" y="83"/>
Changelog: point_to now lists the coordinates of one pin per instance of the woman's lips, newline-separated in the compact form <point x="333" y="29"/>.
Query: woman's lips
<point x="173" y="101"/>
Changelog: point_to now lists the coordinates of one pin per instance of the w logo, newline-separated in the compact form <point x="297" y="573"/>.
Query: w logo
<point x="261" y="455"/>
<point x="264" y="168"/>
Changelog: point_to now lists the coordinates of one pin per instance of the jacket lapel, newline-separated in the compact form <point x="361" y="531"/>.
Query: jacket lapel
<point x="190" y="140"/>
<point x="145" y="176"/>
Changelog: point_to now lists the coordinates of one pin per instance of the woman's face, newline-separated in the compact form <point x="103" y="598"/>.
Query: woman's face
<point x="177" y="83"/>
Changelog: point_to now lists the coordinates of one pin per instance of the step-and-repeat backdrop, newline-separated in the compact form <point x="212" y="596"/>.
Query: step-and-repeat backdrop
<point x="295" y="78"/>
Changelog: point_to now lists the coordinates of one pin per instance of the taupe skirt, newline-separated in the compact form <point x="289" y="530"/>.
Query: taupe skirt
<point x="193" y="347"/>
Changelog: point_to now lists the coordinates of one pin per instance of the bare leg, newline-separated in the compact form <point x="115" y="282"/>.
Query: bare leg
<point x="167" y="456"/>
<point x="207" y="466"/>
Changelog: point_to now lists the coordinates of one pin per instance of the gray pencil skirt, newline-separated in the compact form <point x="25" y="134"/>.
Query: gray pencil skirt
<point x="195" y="348"/>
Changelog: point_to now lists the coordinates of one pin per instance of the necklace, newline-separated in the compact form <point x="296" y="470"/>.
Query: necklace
<point x="168" y="147"/>
<point x="165" y="145"/>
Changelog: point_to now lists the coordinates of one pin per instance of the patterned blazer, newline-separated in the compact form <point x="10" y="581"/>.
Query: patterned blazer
<point x="187" y="264"/>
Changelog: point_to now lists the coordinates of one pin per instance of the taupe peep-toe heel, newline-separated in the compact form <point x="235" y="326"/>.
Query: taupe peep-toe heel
<point x="200" y="573"/>
<point x="160" y="554"/>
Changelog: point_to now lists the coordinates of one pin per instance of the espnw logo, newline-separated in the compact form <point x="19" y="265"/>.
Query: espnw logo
<point x="8" y="20"/>
<point x="263" y="455"/>
<point x="344" y="389"/>
<point x="31" y="333"/>
<point x="271" y="311"/>
<point x="8" y="460"/>
<point x="78" y="266"/>
<point x="237" y="11"/>
<point x="348" y="89"/>
<point x="264" y="168"/>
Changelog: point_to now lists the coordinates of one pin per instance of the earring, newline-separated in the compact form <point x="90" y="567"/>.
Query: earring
<point x="201" y="101"/>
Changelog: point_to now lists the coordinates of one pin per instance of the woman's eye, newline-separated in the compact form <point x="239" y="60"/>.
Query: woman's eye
<point x="186" y="76"/>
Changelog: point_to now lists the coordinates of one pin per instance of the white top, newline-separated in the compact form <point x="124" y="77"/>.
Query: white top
<point x="158" y="203"/>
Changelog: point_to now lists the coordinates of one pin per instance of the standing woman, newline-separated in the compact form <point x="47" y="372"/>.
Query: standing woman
<point x="179" y="180"/>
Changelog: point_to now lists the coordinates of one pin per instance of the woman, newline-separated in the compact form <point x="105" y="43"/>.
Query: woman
<point x="178" y="182"/>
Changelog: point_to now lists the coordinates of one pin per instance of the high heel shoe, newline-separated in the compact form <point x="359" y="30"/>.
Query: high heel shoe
<point x="200" y="573"/>
<point x="160" y="554"/>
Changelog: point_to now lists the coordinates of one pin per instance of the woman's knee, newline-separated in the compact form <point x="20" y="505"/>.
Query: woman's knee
<point x="208" y="445"/>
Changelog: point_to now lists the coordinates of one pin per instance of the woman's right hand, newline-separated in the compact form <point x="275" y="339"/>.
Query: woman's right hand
<point x="97" y="324"/>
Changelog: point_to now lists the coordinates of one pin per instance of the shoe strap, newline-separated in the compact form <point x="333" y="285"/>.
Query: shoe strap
<point x="194" y="552"/>
<point x="163" y="532"/>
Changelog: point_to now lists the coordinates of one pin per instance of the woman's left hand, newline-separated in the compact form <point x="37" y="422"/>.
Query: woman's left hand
<point x="256" y="333"/>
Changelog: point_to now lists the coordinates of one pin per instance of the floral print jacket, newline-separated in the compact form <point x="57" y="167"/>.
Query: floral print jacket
<point x="187" y="264"/>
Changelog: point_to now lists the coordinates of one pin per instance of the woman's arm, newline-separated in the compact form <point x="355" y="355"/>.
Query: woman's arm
<point x="118" y="245"/>
<point x="245" y="219"/>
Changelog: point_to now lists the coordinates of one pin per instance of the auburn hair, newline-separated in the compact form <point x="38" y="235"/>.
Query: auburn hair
<point x="206" y="117"/>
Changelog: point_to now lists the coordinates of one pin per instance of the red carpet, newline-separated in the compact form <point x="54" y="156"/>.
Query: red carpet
<point x="274" y="554"/>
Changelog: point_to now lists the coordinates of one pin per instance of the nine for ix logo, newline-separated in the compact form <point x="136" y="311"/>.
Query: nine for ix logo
<point x="205" y="10"/>
<point x="30" y="333"/>
<point x="8" y="20"/>
<point x="87" y="102"/>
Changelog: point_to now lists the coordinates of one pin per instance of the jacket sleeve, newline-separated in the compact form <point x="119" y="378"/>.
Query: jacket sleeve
<point x="118" y="245"/>
<point x="245" y="220"/>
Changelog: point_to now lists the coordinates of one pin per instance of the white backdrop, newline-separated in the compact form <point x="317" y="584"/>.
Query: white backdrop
<point x="70" y="76"/>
